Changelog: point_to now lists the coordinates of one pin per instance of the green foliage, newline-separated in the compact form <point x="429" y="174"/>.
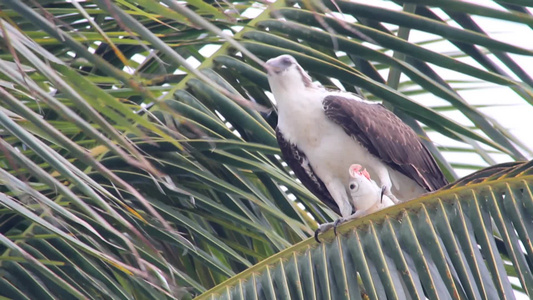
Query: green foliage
<point x="441" y="245"/>
<point x="126" y="172"/>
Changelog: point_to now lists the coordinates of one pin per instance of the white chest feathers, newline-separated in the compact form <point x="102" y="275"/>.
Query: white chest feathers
<point x="329" y="149"/>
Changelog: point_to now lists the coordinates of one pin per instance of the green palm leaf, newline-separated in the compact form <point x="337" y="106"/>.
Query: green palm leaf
<point x="128" y="172"/>
<point x="438" y="246"/>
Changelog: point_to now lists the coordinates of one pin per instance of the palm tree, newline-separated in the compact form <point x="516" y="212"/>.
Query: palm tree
<point x="139" y="158"/>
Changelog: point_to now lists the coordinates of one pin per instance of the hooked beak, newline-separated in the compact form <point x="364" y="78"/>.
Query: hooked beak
<point x="272" y="67"/>
<point x="276" y="65"/>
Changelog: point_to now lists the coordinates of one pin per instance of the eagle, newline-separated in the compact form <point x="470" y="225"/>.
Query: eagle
<point x="322" y="132"/>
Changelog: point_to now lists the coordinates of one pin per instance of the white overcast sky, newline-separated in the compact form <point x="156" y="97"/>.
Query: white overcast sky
<point x="505" y="106"/>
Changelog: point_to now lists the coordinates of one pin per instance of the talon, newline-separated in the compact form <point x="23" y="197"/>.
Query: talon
<point x="316" y="235"/>
<point x="337" y="223"/>
<point x="322" y="228"/>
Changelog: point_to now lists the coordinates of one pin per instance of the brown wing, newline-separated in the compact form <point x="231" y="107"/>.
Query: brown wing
<point x="298" y="162"/>
<point x="387" y="137"/>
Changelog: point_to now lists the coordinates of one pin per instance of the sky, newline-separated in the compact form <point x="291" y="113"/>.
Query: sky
<point x="499" y="103"/>
<point x="503" y="105"/>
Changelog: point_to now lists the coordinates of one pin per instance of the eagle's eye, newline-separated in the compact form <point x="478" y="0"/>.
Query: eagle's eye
<point x="286" y="61"/>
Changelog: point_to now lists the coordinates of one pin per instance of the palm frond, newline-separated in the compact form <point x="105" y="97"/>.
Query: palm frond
<point x="466" y="241"/>
<point x="134" y="167"/>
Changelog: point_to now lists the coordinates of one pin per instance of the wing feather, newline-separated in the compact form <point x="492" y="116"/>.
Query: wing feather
<point x="299" y="163"/>
<point x="387" y="137"/>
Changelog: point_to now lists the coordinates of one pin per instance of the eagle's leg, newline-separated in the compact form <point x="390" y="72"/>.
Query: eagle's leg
<point x="386" y="184"/>
<point x="323" y="228"/>
<point x="326" y="226"/>
<point x="355" y="215"/>
<point x="338" y="193"/>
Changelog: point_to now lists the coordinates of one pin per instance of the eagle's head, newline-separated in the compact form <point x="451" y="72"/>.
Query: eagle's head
<point x="284" y="72"/>
<point x="363" y="190"/>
